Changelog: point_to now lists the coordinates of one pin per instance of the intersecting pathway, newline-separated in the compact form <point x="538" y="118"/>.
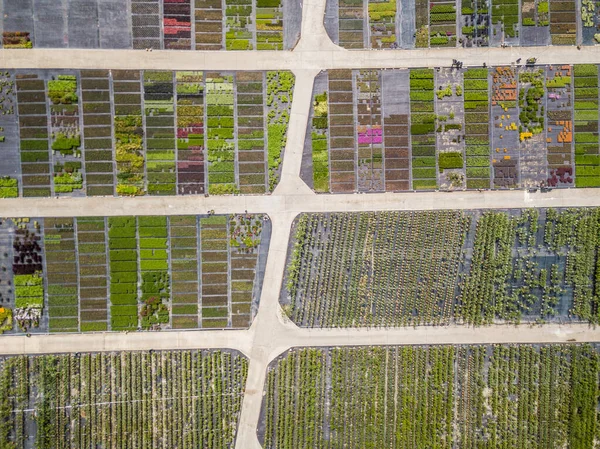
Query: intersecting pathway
<point x="271" y="332"/>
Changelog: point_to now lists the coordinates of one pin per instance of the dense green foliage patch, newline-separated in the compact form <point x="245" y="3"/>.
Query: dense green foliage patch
<point x="433" y="396"/>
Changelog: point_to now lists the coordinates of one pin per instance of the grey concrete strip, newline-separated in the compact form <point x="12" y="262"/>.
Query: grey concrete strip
<point x="295" y="202"/>
<point x="317" y="56"/>
<point x="123" y="341"/>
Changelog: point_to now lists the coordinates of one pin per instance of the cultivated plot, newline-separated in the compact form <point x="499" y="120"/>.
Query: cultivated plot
<point x="391" y="24"/>
<point x="439" y="267"/>
<point x="152" y="24"/>
<point x="131" y="132"/>
<point x="432" y="396"/>
<point x="131" y="273"/>
<point x="452" y="129"/>
<point x="184" y="399"/>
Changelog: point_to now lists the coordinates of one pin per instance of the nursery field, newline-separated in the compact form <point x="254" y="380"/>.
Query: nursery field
<point x="453" y="129"/>
<point x="183" y="399"/>
<point x="390" y="24"/>
<point x="501" y="396"/>
<point x="131" y="132"/>
<point x="475" y="267"/>
<point x="155" y="24"/>
<point x="130" y="273"/>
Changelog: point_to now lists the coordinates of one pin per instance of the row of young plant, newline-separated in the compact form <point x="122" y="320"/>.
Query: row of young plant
<point x="32" y="118"/>
<point x="422" y="129"/>
<point x="191" y="157"/>
<point x="251" y="132"/>
<point x="369" y="132"/>
<point x="61" y="275"/>
<point x="23" y="301"/>
<point x="128" y="273"/>
<point x="474" y="267"/>
<point x="475" y="22"/>
<point x="146" y="29"/>
<point x="127" y="138"/>
<point x="348" y="147"/>
<point x="560" y="126"/>
<point x="159" y="116"/>
<point x="177" y="24"/>
<point x="433" y="396"/>
<point x="183" y="399"/>
<point x="450" y="125"/>
<point x="587" y="157"/>
<point x="97" y="114"/>
<point x="477" y="140"/>
<point x="351" y="16"/>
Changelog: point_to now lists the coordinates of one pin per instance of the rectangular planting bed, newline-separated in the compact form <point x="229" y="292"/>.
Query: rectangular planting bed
<point x="131" y="132"/>
<point x="131" y="273"/>
<point x="501" y="127"/>
<point x="432" y="396"/>
<point x="473" y="267"/>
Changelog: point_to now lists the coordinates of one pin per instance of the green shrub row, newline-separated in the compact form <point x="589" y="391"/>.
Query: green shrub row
<point x="450" y="160"/>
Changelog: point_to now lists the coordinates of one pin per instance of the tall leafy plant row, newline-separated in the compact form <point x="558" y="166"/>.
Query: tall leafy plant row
<point x="508" y="286"/>
<point x="477" y="143"/>
<point x="190" y="132"/>
<point x="123" y="257"/>
<point x="220" y="140"/>
<point x="433" y="396"/>
<point x="320" y="142"/>
<point x="341" y="273"/>
<point x="160" y="135"/>
<point x="398" y="268"/>
<point x="422" y="129"/>
<point x="65" y="133"/>
<point x="154" y="270"/>
<point x="184" y="399"/>
<point x="129" y="133"/>
<point x="485" y="294"/>
<point x="280" y="86"/>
